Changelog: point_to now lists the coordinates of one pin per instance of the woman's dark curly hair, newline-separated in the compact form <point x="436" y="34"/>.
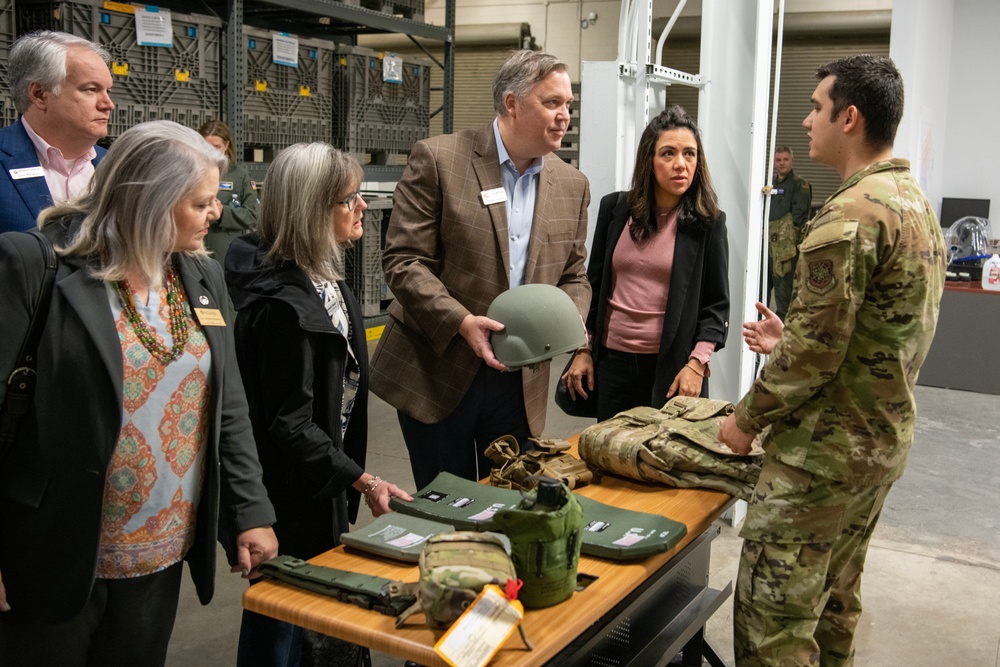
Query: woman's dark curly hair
<point x="699" y="206"/>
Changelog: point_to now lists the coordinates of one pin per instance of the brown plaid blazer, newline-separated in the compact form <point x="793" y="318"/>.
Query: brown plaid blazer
<point x="446" y="255"/>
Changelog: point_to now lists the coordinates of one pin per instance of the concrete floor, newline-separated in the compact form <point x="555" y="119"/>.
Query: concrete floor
<point x="931" y="587"/>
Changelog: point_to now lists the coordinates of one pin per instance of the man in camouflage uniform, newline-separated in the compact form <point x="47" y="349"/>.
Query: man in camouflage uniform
<point x="789" y="212"/>
<point x="837" y="390"/>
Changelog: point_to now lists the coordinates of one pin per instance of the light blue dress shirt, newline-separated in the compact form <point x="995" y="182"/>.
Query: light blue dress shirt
<point x="521" y="190"/>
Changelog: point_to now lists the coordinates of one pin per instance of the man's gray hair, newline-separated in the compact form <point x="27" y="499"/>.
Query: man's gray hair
<point x="128" y="212"/>
<point x="40" y="57"/>
<point x="522" y="70"/>
<point x="784" y="149"/>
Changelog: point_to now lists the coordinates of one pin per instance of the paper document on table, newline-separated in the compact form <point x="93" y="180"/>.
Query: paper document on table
<point x="481" y="630"/>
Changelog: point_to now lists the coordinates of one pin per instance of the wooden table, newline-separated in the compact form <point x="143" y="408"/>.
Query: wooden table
<point x="614" y="600"/>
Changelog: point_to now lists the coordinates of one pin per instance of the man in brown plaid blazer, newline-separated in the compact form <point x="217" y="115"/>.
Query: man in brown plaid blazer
<point x="476" y="213"/>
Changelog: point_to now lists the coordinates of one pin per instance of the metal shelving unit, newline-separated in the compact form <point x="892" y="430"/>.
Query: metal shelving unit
<point x="328" y="20"/>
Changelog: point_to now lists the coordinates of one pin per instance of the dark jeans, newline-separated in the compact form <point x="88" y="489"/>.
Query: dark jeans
<point x="268" y="642"/>
<point x="125" y="622"/>
<point x="624" y="381"/>
<point x="492" y="407"/>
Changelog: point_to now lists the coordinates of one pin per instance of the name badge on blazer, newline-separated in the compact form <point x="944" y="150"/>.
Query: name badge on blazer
<point x="26" y="172"/>
<point x="209" y="317"/>
<point x="494" y="196"/>
<point x="779" y="191"/>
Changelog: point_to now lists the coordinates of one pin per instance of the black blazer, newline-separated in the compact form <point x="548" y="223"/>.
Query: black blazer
<point x="292" y="361"/>
<point x="698" y="302"/>
<point x="52" y="480"/>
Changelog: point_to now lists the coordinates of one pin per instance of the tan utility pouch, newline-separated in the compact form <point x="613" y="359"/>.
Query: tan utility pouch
<point x="550" y="458"/>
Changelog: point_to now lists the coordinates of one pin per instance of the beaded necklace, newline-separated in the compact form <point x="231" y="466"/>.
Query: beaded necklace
<point x="178" y="325"/>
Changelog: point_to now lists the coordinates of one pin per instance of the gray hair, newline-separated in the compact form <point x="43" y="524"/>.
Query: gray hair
<point x="302" y="186"/>
<point x="784" y="149"/>
<point x="128" y="212"/>
<point x="522" y="70"/>
<point x="40" y="57"/>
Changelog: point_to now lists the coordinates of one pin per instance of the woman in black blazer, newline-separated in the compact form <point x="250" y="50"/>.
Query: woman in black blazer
<point x="660" y="302"/>
<point x="136" y="453"/>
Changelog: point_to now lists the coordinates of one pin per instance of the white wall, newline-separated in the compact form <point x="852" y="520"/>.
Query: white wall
<point x="972" y="139"/>
<point x="923" y="132"/>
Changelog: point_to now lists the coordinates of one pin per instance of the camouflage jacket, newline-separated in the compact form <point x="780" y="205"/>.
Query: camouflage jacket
<point x="792" y="194"/>
<point x="838" y="387"/>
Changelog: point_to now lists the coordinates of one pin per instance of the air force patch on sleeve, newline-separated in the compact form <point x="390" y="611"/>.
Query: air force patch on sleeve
<point x="821" y="277"/>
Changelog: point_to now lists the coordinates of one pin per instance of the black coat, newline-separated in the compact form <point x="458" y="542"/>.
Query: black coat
<point x="698" y="301"/>
<point x="293" y="362"/>
<point x="52" y="479"/>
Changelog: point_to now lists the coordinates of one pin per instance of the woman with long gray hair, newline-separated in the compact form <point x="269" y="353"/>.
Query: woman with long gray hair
<point x="136" y="452"/>
<point x="303" y="354"/>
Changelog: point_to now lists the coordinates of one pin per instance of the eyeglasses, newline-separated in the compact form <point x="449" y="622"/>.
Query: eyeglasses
<point x="352" y="200"/>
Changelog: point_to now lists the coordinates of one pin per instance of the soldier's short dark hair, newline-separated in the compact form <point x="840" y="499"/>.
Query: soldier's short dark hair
<point x="875" y="87"/>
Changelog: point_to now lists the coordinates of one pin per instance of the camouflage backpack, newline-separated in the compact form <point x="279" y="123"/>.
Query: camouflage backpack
<point x="454" y="568"/>
<point x="550" y="458"/>
<point x="676" y="445"/>
<point x="783" y="241"/>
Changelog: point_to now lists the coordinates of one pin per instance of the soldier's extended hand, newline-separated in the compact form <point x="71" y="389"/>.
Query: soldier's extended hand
<point x="761" y="336"/>
<point x="579" y="378"/>
<point x="476" y="329"/>
<point x="731" y="436"/>
<point x="3" y="597"/>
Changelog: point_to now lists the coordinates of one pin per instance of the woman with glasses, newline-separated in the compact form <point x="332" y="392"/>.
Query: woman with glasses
<point x="302" y="350"/>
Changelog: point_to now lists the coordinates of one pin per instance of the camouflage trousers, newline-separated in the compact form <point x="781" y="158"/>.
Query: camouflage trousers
<point x="798" y="592"/>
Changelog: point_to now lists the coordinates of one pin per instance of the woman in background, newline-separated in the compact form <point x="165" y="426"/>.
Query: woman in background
<point x="303" y="353"/>
<point x="237" y="193"/>
<point x="136" y="453"/>
<point x="659" y="271"/>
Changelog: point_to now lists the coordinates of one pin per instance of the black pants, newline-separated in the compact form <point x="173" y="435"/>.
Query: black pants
<point x="125" y="622"/>
<point x="493" y="406"/>
<point x="624" y="380"/>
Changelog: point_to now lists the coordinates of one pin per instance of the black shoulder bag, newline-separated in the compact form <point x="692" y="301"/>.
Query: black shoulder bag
<point x="21" y="383"/>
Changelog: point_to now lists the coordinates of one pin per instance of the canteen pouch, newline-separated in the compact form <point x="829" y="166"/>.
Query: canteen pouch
<point x="550" y="458"/>
<point x="544" y="532"/>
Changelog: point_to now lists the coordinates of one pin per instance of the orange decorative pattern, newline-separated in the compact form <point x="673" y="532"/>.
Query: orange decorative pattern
<point x="184" y="428"/>
<point x="130" y="480"/>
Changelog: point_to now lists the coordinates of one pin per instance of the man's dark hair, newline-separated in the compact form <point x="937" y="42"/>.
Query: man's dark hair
<point x="875" y="87"/>
<point x="698" y="206"/>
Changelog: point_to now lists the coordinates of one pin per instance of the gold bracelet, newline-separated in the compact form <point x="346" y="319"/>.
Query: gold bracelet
<point x="688" y="365"/>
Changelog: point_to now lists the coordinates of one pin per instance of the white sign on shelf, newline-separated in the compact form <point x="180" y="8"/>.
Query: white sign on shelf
<point x="392" y="69"/>
<point x="153" y="27"/>
<point x="284" y="49"/>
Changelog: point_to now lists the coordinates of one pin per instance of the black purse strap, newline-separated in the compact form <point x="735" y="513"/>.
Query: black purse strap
<point x="21" y="382"/>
